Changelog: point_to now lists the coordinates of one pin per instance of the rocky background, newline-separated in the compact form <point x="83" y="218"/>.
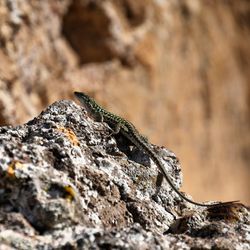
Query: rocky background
<point x="179" y="70"/>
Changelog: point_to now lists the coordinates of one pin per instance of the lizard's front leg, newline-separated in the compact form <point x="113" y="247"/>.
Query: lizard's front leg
<point x="98" y="117"/>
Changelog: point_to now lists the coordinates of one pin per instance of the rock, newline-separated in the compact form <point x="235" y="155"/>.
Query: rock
<point x="66" y="184"/>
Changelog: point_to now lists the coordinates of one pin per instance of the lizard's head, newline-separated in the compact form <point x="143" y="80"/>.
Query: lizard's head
<point x="86" y="101"/>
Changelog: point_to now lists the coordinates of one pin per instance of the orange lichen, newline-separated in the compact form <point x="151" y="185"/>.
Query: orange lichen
<point x="11" y="168"/>
<point x="70" y="193"/>
<point x="70" y="135"/>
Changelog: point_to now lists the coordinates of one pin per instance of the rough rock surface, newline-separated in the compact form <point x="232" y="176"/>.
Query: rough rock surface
<point x="66" y="184"/>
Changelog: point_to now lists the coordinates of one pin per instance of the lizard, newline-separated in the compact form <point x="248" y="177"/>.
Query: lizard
<point x="128" y="130"/>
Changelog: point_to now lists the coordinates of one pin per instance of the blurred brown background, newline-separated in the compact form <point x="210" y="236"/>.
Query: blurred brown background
<point x="178" y="69"/>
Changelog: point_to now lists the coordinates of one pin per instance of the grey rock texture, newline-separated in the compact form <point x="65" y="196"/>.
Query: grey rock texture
<point x="66" y="184"/>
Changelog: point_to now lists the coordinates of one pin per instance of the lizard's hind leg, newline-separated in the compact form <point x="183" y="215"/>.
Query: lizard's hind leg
<point x="114" y="131"/>
<point x="159" y="181"/>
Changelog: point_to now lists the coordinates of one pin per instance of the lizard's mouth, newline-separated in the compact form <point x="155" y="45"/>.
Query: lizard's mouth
<point x="79" y="95"/>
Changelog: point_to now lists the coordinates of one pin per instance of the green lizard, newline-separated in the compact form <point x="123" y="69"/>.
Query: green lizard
<point x="128" y="130"/>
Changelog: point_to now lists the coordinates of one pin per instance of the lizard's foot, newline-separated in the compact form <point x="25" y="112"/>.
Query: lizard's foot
<point x="156" y="197"/>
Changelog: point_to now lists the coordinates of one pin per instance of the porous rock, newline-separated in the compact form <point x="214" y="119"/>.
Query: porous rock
<point x="65" y="182"/>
